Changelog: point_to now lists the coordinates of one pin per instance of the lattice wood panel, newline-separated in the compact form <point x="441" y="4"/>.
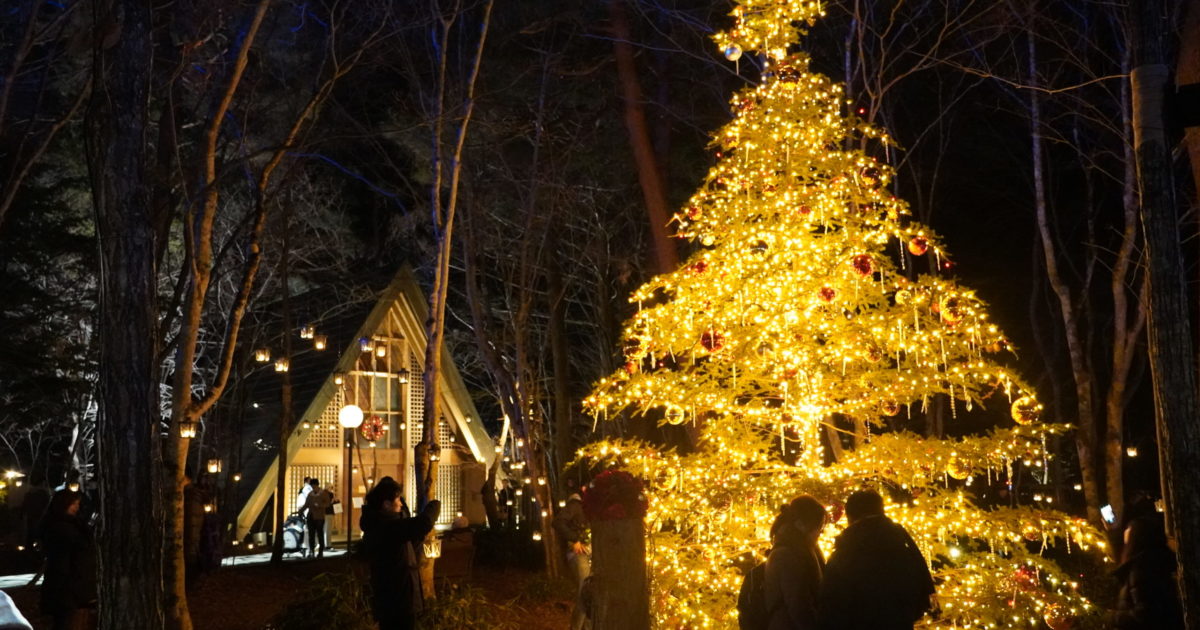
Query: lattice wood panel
<point x="322" y="436"/>
<point x="327" y="473"/>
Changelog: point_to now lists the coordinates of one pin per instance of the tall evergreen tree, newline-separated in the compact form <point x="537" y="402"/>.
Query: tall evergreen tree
<point x="799" y="338"/>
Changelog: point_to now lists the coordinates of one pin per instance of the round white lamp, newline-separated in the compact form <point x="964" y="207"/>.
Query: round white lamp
<point x="350" y="416"/>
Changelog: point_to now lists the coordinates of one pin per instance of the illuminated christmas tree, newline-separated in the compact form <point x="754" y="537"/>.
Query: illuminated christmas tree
<point x="796" y="339"/>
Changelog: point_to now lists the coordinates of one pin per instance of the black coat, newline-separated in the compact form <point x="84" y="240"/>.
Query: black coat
<point x="388" y="542"/>
<point x="792" y="583"/>
<point x="876" y="579"/>
<point x="1148" y="598"/>
<point x="70" y="578"/>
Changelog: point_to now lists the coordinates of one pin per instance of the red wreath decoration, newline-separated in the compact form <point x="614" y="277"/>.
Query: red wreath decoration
<point x="614" y="494"/>
<point x="372" y="428"/>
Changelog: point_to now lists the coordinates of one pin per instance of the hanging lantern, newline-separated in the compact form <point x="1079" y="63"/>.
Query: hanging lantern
<point x="320" y="342"/>
<point x="281" y="365"/>
<point x="381" y="350"/>
<point x="307" y="332"/>
<point x="214" y="466"/>
<point x="402" y="376"/>
<point x="366" y="344"/>
<point x="187" y="429"/>
<point x="1026" y="410"/>
<point x="262" y="355"/>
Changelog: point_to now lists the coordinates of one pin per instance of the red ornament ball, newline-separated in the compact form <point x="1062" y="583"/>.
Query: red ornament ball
<point x="712" y="340"/>
<point x="698" y="267"/>
<point x="1026" y="578"/>
<point x="827" y="293"/>
<point x="863" y="264"/>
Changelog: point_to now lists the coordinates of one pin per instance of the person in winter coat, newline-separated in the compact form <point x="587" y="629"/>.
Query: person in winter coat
<point x="70" y="582"/>
<point x="388" y="544"/>
<point x="795" y="565"/>
<point x="1148" y="599"/>
<point x="316" y="506"/>
<point x="571" y="526"/>
<point x="876" y="578"/>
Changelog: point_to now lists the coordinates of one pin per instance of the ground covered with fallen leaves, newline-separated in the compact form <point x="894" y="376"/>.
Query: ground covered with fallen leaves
<point x="303" y="594"/>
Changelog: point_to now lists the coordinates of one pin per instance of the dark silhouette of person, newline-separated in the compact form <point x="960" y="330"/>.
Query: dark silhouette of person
<point x="571" y="525"/>
<point x="795" y="565"/>
<point x="388" y="546"/>
<point x="1149" y="599"/>
<point x="70" y="584"/>
<point x="876" y="578"/>
<point x="316" y="505"/>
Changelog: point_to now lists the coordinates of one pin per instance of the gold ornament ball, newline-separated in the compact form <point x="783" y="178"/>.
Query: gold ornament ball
<point x="903" y="296"/>
<point x="733" y="52"/>
<point x="951" y="309"/>
<point x="1026" y="410"/>
<point x="957" y="469"/>
<point x="918" y="245"/>
<point x="1057" y="617"/>
<point x="674" y="415"/>
<point x="890" y="407"/>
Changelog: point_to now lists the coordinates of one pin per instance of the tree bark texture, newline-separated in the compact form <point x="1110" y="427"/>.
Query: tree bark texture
<point x="649" y="175"/>
<point x="1188" y="73"/>
<point x="1172" y="355"/>
<point x="131" y="515"/>
<point x="621" y="595"/>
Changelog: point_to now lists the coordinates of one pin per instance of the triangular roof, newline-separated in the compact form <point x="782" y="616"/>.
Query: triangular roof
<point x="313" y="388"/>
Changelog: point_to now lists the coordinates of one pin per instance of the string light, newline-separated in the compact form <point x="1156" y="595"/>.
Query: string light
<point x="801" y="316"/>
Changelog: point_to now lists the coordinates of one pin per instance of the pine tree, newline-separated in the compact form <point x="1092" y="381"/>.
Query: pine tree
<point x="799" y="340"/>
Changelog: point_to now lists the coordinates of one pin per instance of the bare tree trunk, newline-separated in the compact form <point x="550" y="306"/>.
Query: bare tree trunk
<point x="1086" y="438"/>
<point x="286" y="412"/>
<point x="1172" y="355"/>
<point x="619" y="574"/>
<point x="130" y="550"/>
<point x="563" y="422"/>
<point x="649" y="175"/>
<point x="443" y="224"/>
